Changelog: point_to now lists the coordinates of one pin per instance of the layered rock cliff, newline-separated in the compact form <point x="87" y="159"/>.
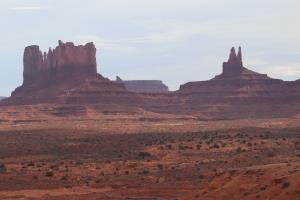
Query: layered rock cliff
<point x="144" y="86"/>
<point x="238" y="91"/>
<point x="66" y="74"/>
<point x="63" y="61"/>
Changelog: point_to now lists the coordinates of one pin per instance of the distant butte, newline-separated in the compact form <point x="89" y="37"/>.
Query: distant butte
<point x="68" y="75"/>
<point x="238" y="91"/>
<point x="64" y="61"/>
<point x="144" y="86"/>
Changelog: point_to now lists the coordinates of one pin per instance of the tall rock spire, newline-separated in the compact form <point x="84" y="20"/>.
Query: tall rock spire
<point x="239" y="55"/>
<point x="234" y="65"/>
<point x="232" y="56"/>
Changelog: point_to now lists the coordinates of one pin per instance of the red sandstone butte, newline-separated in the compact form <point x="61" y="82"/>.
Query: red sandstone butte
<point x="65" y="60"/>
<point x="238" y="91"/>
<point x="68" y="75"/>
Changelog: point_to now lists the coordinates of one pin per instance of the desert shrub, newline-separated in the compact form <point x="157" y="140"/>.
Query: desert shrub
<point x="297" y="145"/>
<point x="246" y="194"/>
<point x="160" y="166"/>
<point x="3" y="168"/>
<point x="49" y="174"/>
<point x="30" y="164"/>
<point x="144" y="154"/>
<point x="54" y="167"/>
<point x="181" y="147"/>
<point x="98" y="180"/>
<point x="78" y="163"/>
<point x="263" y="188"/>
<point x="285" y="184"/>
<point x="64" y="178"/>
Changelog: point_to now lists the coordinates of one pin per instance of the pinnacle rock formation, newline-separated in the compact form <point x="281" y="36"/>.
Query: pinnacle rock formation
<point x="234" y="65"/>
<point x="144" y="86"/>
<point x="238" y="91"/>
<point x="68" y="75"/>
<point x="234" y="68"/>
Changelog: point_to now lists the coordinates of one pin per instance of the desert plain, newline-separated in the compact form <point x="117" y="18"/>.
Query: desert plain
<point x="145" y="156"/>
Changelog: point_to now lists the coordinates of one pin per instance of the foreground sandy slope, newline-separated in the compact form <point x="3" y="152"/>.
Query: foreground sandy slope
<point x="147" y="156"/>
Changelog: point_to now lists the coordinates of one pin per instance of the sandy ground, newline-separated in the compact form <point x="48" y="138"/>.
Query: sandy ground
<point x="147" y="156"/>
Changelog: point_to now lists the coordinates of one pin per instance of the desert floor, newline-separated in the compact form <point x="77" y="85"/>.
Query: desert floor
<point x="148" y="157"/>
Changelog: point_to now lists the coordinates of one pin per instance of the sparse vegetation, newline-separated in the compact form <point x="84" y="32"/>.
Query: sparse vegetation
<point x="3" y="168"/>
<point x="189" y="160"/>
<point x="49" y="174"/>
<point x="144" y="154"/>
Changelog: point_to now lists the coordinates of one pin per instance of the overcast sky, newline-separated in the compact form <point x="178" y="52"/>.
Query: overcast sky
<point x="173" y="40"/>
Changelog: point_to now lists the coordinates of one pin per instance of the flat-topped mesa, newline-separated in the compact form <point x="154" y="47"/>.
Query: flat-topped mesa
<point x="144" y="86"/>
<point x="65" y="59"/>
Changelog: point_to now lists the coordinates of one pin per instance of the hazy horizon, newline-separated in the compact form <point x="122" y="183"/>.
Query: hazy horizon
<point x="155" y="39"/>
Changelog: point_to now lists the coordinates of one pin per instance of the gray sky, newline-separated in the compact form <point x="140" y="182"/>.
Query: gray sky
<point x="173" y="40"/>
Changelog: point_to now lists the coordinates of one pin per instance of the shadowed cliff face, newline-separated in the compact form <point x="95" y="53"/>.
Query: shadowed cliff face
<point x="61" y="62"/>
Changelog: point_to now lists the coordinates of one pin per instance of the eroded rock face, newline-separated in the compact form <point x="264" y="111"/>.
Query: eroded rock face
<point x="65" y="60"/>
<point x="66" y="74"/>
<point x="144" y="86"/>
<point x="234" y="65"/>
<point x="238" y="91"/>
<point x="234" y="68"/>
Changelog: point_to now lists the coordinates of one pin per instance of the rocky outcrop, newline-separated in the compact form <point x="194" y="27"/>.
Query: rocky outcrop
<point x="234" y="68"/>
<point x="66" y="74"/>
<point x="144" y="86"/>
<point x="63" y="61"/>
<point x="238" y="91"/>
<point x="234" y="74"/>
